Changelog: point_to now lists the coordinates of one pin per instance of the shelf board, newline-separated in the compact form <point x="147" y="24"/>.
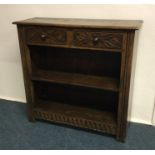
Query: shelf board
<point x="98" y="82"/>
<point x="76" y="47"/>
<point x="86" y="117"/>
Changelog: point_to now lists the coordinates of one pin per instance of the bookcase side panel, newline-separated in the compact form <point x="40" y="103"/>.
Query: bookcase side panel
<point x="26" y="66"/>
<point x="125" y="84"/>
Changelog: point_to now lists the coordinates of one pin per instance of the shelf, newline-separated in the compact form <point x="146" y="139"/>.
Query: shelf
<point x="78" y="116"/>
<point x="74" y="47"/>
<point x="98" y="82"/>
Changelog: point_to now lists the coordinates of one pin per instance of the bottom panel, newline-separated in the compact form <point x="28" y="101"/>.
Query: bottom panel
<point x="98" y="120"/>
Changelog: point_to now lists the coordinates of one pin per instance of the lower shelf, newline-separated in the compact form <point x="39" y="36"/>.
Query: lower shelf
<point x="83" y="117"/>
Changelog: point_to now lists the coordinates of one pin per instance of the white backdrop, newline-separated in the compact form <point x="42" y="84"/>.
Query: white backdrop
<point x="11" y="78"/>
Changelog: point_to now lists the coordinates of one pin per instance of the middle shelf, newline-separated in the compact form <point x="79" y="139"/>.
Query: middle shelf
<point x="84" y="80"/>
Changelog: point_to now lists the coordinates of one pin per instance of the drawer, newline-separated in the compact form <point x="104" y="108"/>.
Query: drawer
<point x="97" y="39"/>
<point x="46" y="35"/>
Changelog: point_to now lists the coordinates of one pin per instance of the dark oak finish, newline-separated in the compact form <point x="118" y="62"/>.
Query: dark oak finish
<point x="85" y="23"/>
<point x="97" y="39"/>
<point x="46" y="35"/>
<point x="84" y="117"/>
<point x="98" y="82"/>
<point x="77" y="71"/>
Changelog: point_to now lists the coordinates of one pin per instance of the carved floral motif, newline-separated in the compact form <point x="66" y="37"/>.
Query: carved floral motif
<point x="98" y="39"/>
<point x="46" y="35"/>
<point x="75" y="121"/>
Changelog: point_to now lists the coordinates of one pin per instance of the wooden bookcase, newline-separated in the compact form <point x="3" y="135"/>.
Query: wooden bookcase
<point x="77" y="71"/>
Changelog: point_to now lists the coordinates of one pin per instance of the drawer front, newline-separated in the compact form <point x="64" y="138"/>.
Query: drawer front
<point x="46" y="35"/>
<point x="97" y="39"/>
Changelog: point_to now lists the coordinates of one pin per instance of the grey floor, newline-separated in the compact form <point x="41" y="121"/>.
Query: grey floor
<point x="16" y="132"/>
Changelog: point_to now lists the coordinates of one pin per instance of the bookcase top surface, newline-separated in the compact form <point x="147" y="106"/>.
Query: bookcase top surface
<point x="86" y="23"/>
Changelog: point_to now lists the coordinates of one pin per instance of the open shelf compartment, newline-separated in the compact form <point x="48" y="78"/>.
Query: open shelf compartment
<point x="84" y="117"/>
<point x="76" y="87"/>
<point x="98" y="82"/>
<point x="78" y="106"/>
<point x="106" y="64"/>
<point x="76" y="67"/>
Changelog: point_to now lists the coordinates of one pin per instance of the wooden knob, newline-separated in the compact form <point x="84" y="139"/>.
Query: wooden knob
<point x="43" y="36"/>
<point x="96" y="40"/>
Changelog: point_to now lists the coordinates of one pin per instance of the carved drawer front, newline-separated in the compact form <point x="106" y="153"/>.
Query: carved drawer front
<point x="46" y="35"/>
<point x="97" y="39"/>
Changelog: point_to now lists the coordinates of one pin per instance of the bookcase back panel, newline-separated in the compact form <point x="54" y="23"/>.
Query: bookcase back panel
<point x="76" y="61"/>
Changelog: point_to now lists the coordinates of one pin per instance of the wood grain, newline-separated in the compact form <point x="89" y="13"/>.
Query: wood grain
<point x="97" y="39"/>
<point x="98" y="82"/>
<point x="27" y="70"/>
<point x="85" y="23"/>
<point x="46" y="35"/>
<point x="102" y="121"/>
<point x="125" y="86"/>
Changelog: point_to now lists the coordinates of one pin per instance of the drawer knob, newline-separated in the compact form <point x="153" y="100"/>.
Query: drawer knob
<point x="43" y="36"/>
<point x="96" y="40"/>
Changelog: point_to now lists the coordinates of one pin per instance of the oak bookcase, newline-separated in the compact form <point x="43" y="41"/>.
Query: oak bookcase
<point x="77" y="71"/>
